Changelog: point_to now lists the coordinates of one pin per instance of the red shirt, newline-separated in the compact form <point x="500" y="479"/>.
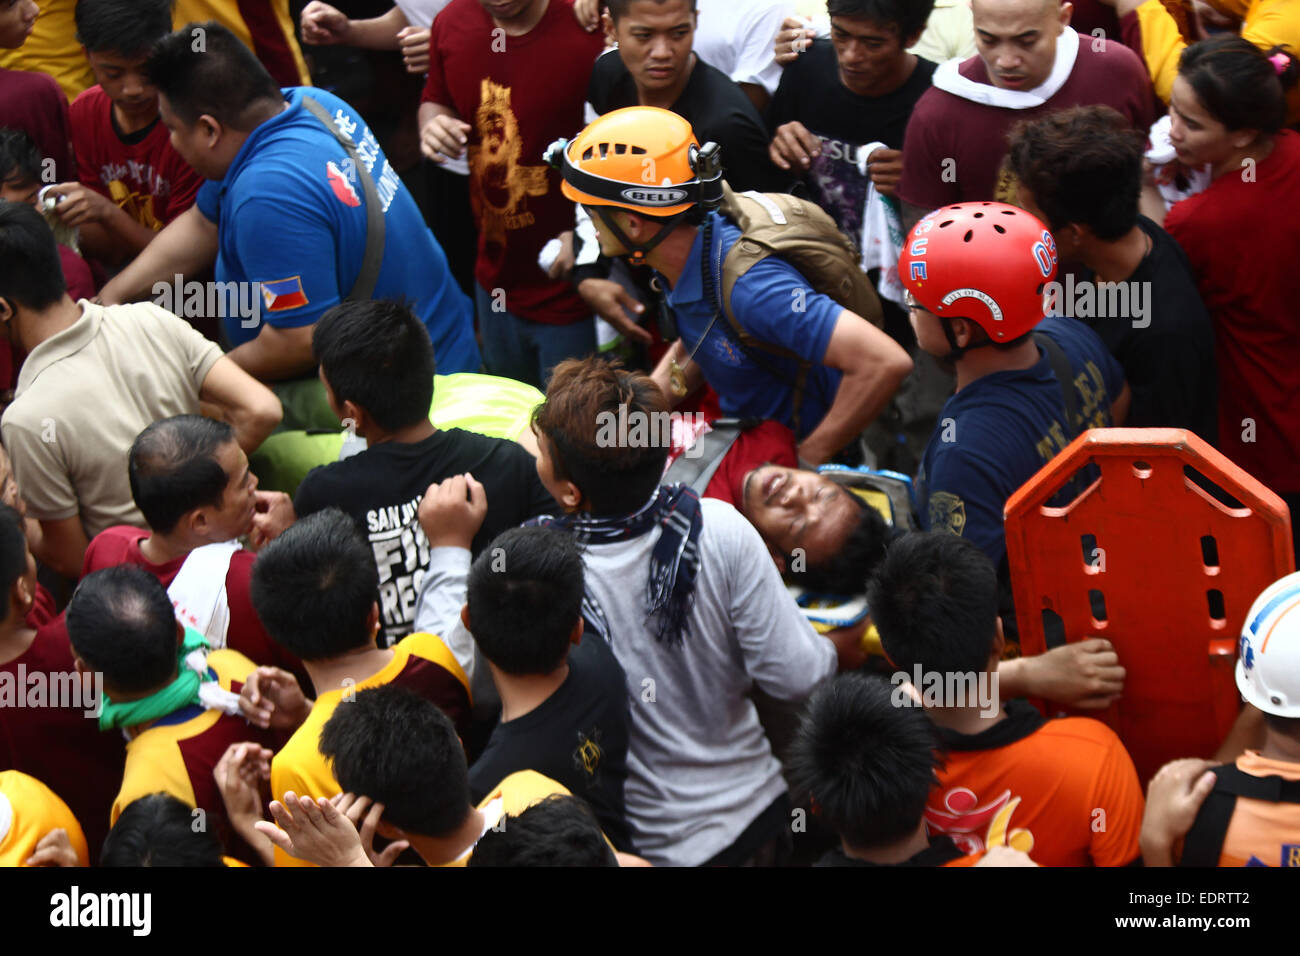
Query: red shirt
<point x="1242" y="238"/>
<point x="954" y="147"/>
<point x="34" y="103"/>
<point x="121" y="545"/>
<point x="148" y="178"/>
<point x="60" y="746"/>
<point x="518" y="94"/>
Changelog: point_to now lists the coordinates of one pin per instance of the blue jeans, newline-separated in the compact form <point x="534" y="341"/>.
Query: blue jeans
<point x="527" y="351"/>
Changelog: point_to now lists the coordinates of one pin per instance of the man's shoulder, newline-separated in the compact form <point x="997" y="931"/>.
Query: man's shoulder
<point x="88" y="104"/>
<point x="1103" y="58"/>
<point x="112" y="547"/>
<point x="1075" y="741"/>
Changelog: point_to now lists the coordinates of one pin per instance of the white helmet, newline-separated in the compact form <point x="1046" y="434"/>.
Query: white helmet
<point x="1268" y="659"/>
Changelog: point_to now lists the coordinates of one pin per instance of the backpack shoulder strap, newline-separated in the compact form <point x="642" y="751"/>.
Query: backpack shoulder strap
<point x="697" y="470"/>
<point x="1064" y="373"/>
<point x="1204" y="842"/>
<point x="368" y="277"/>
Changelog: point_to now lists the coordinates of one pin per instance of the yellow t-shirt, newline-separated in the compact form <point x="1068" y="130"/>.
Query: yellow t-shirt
<point x="420" y="662"/>
<point x="53" y="48"/>
<point x="28" y="811"/>
<point x="178" y="759"/>
<point x="511" y="797"/>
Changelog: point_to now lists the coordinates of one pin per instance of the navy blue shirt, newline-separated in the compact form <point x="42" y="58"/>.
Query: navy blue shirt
<point x="775" y="304"/>
<point x="998" y="431"/>
<point x="291" y="216"/>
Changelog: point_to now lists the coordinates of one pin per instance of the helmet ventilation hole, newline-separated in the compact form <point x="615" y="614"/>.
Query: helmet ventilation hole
<point x="1008" y="212"/>
<point x="604" y="150"/>
<point x="638" y="150"/>
<point x="980" y="215"/>
<point x="588" y="153"/>
<point x="1039" y="290"/>
<point x="998" y="229"/>
<point x="620" y="149"/>
<point x="946" y="224"/>
<point x="970" y="234"/>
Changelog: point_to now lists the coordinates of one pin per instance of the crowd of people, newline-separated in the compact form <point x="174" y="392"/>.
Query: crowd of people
<point x="467" y="460"/>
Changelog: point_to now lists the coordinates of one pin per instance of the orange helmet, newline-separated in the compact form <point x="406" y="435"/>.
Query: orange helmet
<point x="642" y="159"/>
<point x="983" y="261"/>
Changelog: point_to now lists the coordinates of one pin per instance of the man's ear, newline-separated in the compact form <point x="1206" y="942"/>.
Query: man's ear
<point x="571" y="497"/>
<point x="20" y="595"/>
<point x="607" y="22"/>
<point x="210" y="129"/>
<point x="354" y="413"/>
<point x="575" y="636"/>
<point x="372" y="620"/>
<point x="999" y="645"/>
<point x="180" y="633"/>
<point x="388" y="831"/>
<point x="1067" y="11"/>
<point x="464" y="617"/>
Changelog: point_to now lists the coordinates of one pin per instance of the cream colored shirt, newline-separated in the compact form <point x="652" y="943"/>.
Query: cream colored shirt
<point x="85" y="394"/>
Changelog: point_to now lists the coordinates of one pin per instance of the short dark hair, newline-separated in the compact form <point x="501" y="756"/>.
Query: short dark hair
<point x="934" y="601"/>
<point x="849" y="570"/>
<point x="173" y="468"/>
<point x="223" y="79"/>
<point x="377" y="354"/>
<point x="398" y="749"/>
<point x="1236" y="82"/>
<point x="314" y="585"/>
<point x="1082" y="165"/>
<point x="158" y="830"/>
<point x="121" y="623"/>
<point x="559" y="831"/>
<point x="868" y="765"/>
<point x="13" y="553"/>
<point x="20" y="158"/>
<point x="524" y="597"/>
<point x="33" y="272"/>
<point x="126" y="27"/>
<point x="581" y="395"/>
<point x="908" y="17"/>
<point x="619" y="8"/>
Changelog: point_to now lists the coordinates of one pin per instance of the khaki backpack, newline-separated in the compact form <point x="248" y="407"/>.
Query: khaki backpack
<point x="803" y="235"/>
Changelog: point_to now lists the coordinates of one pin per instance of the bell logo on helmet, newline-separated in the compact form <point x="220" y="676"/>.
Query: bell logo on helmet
<point x="984" y="297"/>
<point x="1247" y="654"/>
<point x="654" y="195"/>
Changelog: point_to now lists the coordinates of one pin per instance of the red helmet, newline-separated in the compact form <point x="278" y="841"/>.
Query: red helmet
<point x="983" y="261"/>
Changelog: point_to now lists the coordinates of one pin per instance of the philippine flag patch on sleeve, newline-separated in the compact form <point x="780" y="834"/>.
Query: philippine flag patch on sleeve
<point x="280" y="295"/>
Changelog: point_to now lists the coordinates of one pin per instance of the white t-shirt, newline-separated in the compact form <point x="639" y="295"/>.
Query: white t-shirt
<point x="420" y="13"/>
<point x="738" y="37"/>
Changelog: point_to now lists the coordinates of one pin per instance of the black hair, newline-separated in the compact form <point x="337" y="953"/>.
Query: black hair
<point x="377" y="354"/>
<point x="867" y="760"/>
<point x="20" y="158"/>
<point x="121" y="623"/>
<point x="908" y="17"/>
<point x="524" y="597"/>
<point x="1082" y="165"/>
<point x="559" y="831"/>
<point x="158" y="830"/>
<point x="619" y="8"/>
<point x="173" y="468"/>
<point x="204" y="69"/>
<point x="313" y="587"/>
<point x="125" y="27"/>
<point x="850" y="568"/>
<point x="398" y="749"/>
<point x="934" y="601"/>
<point x="33" y="273"/>
<point x="1238" y="84"/>
<point x="13" y="553"/>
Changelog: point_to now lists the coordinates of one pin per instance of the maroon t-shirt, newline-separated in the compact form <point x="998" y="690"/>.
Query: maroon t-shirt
<point x="141" y="173"/>
<point x="1242" y="238"/>
<point x="121" y="545"/>
<point x="60" y="746"/>
<point x="34" y="103"/>
<point x="954" y="148"/>
<point x="518" y="94"/>
<point x="769" y="443"/>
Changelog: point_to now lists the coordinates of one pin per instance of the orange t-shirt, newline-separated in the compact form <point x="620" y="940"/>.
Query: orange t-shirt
<point x="1262" y="832"/>
<point x="1064" y="791"/>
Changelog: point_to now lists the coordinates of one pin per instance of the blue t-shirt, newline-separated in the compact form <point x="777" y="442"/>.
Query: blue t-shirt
<point x="998" y="431"/>
<point x="291" y="216"/>
<point x="775" y="304"/>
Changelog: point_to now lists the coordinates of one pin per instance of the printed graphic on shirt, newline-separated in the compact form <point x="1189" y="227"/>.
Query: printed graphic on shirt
<point x="342" y="188"/>
<point x="974" y="827"/>
<point x="402" y="553"/>
<point x="282" y="294"/>
<point x="838" y="185"/>
<point x="587" y="757"/>
<point x="343" y="176"/>
<point x="947" y="512"/>
<point x="501" y="183"/>
<point x="133" y="187"/>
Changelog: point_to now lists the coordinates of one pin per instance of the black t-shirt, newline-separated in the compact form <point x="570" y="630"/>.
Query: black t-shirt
<point x="940" y="851"/>
<point x="577" y="737"/>
<point x="812" y="94"/>
<point x="1168" y="352"/>
<point x="718" y="111"/>
<point x="381" y="489"/>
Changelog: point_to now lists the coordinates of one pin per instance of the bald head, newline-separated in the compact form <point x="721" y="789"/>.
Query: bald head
<point x="1016" y="39"/>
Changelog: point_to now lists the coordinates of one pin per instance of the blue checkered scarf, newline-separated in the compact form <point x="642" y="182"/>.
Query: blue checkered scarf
<point x="670" y="588"/>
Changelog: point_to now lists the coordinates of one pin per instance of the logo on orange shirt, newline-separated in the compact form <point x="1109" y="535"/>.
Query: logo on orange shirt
<point x="973" y="827"/>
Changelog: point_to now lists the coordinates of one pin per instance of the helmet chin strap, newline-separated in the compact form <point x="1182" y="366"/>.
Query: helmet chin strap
<point x="957" y="351"/>
<point x="636" y="252"/>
